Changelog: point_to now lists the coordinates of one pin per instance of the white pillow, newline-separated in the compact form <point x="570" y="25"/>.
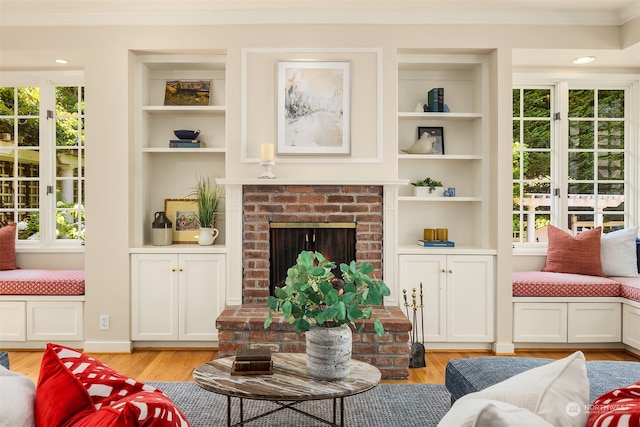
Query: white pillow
<point x="17" y="399"/>
<point x="618" y="253"/>
<point x="557" y="392"/>
<point x="489" y="413"/>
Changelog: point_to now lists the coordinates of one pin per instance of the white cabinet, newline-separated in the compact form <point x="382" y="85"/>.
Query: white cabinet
<point x="458" y="295"/>
<point x="465" y="161"/>
<point x="631" y="326"/>
<point x="176" y="296"/>
<point x="567" y="322"/>
<point x="171" y="173"/>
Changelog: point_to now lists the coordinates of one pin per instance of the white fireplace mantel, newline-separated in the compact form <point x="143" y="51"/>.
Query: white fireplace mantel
<point x="306" y="181"/>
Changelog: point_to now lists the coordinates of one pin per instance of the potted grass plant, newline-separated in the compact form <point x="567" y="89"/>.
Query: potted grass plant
<point x="208" y="195"/>
<point x="324" y="306"/>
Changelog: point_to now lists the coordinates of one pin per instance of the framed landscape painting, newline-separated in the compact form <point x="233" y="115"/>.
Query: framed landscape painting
<point x="187" y="92"/>
<point x="313" y="111"/>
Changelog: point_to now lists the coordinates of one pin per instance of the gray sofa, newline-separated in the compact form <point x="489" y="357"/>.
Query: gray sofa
<point x="464" y="376"/>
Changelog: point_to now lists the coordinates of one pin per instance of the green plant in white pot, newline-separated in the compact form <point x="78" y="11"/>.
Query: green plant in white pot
<point x="208" y="195"/>
<point x="428" y="187"/>
<point x="316" y="302"/>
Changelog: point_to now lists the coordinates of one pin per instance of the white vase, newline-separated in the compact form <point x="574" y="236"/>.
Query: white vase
<point x="207" y="236"/>
<point x="329" y="352"/>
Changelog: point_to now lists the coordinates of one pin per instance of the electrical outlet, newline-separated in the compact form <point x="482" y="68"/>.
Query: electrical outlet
<point x="104" y="322"/>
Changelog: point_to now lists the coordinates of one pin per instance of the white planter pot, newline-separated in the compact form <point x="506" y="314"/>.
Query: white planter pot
<point x="207" y="236"/>
<point x="424" y="192"/>
<point x="329" y="352"/>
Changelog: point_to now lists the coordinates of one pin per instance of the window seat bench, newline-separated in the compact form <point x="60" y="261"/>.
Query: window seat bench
<point x="573" y="308"/>
<point x="40" y="306"/>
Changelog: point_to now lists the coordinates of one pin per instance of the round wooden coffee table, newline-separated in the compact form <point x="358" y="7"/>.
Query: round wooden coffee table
<point x="289" y="385"/>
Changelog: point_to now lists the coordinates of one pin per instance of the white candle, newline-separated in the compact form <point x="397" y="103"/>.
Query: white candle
<point x="266" y="152"/>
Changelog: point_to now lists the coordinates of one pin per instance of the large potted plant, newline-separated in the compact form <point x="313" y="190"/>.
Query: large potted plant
<point x="324" y="306"/>
<point x="208" y="195"/>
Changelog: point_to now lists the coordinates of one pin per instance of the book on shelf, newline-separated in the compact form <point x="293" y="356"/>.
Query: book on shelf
<point x="435" y="100"/>
<point x="436" y="244"/>
<point x="185" y="143"/>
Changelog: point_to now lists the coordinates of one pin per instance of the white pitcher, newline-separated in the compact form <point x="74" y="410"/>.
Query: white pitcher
<point x="207" y="236"/>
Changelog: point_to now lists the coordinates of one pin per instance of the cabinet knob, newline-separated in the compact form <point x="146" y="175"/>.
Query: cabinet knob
<point x="444" y="271"/>
<point x="450" y="271"/>
<point x="180" y="269"/>
<point x="173" y="269"/>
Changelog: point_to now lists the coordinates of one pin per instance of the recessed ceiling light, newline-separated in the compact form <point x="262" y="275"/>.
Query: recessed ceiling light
<point x="61" y="61"/>
<point x="584" y="60"/>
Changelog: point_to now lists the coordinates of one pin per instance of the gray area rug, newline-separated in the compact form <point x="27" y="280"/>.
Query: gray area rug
<point x="388" y="405"/>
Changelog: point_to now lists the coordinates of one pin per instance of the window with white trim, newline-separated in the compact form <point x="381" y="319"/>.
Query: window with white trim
<point x="572" y="144"/>
<point x="42" y="151"/>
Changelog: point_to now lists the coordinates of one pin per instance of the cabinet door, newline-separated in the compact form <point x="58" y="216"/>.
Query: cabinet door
<point x="540" y="322"/>
<point x="594" y="322"/>
<point x="428" y="270"/>
<point x="470" y="298"/>
<point x="13" y="318"/>
<point x="631" y="326"/>
<point x="201" y="289"/>
<point x="154" y="297"/>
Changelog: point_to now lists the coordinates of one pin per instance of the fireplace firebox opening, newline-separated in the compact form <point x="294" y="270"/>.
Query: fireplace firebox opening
<point x="336" y="241"/>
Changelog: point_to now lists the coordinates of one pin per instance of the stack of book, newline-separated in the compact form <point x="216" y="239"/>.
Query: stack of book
<point x="185" y="143"/>
<point x="252" y="361"/>
<point x="435" y="100"/>
<point x="436" y="243"/>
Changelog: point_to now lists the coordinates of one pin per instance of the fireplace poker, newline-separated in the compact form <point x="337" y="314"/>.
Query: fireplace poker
<point x="417" y="349"/>
<point x="406" y="306"/>
<point x="422" y="314"/>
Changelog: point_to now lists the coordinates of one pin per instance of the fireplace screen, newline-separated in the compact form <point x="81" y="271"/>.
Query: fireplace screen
<point x="336" y="241"/>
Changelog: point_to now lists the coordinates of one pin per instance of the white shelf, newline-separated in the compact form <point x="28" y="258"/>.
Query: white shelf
<point x="439" y="116"/>
<point x="189" y="109"/>
<point x="461" y="250"/>
<point x="406" y="156"/>
<point x="455" y="199"/>
<point x="184" y="150"/>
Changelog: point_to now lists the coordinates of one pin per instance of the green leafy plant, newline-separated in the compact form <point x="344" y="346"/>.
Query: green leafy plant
<point x="428" y="182"/>
<point x="313" y="295"/>
<point x="208" y="195"/>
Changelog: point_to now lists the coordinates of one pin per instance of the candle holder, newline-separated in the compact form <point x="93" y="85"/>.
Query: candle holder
<point x="266" y="173"/>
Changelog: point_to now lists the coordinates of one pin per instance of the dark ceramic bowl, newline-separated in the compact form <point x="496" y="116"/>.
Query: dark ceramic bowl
<point x="186" y="134"/>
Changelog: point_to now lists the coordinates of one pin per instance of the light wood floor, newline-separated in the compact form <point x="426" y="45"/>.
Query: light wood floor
<point x="177" y="365"/>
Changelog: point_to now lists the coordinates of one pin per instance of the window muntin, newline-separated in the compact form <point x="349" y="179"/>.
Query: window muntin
<point x="42" y="161"/>
<point x="570" y="174"/>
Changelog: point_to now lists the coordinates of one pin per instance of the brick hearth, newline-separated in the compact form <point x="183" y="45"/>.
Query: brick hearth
<point x="242" y="327"/>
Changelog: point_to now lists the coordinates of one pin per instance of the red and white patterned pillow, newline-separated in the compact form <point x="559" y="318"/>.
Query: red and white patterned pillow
<point x="76" y="389"/>
<point x="578" y="255"/>
<point x="616" y="408"/>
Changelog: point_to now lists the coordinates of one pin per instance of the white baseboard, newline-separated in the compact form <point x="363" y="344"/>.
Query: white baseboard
<point x="108" y="346"/>
<point x="503" y="348"/>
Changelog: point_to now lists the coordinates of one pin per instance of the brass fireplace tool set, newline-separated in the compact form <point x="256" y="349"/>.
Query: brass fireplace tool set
<point x="417" y="359"/>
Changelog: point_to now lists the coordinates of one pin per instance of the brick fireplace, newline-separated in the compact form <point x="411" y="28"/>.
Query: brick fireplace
<point x="241" y="326"/>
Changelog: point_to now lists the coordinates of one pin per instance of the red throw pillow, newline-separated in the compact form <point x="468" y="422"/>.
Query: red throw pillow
<point x="577" y="255"/>
<point x="8" y="247"/>
<point x="616" y="408"/>
<point x="74" y="386"/>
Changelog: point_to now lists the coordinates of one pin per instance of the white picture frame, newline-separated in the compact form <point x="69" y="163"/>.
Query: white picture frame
<point x="314" y="108"/>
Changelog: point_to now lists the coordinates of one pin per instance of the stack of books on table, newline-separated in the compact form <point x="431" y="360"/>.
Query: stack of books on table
<point x="253" y="361"/>
<point x="185" y="143"/>
<point x="436" y="243"/>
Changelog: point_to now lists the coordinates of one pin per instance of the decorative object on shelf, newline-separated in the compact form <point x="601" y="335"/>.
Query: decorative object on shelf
<point x="266" y="161"/>
<point x="186" y="134"/>
<point x="429" y="234"/>
<point x="314" y="107"/>
<point x="187" y="92"/>
<point x="435" y="243"/>
<point x="427" y="188"/>
<point x="450" y="192"/>
<point x="208" y="194"/>
<point x="424" y="145"/>
<point x="420" y="107"/>
<point x="161" y="230"/>
<point x="185" y="221"/>
<point x="438" y="133"/>
<point x="207" y="236"/>
<point x="435" y="100"/>
<point x="185" y="143"/>
<point x="313" y="298"/>
<point x="442" y="234"/>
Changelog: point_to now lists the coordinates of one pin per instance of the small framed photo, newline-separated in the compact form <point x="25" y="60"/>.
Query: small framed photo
<point x="187" y="92"/>
<point x="438" y="132"/>
<point x="314" y="110"/>
<point x="182" y="214"/>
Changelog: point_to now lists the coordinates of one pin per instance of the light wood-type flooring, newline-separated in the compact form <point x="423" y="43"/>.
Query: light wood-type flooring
<point x="177" y="365"/>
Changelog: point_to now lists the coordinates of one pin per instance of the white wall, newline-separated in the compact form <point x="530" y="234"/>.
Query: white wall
<point x="105" y="55"/>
